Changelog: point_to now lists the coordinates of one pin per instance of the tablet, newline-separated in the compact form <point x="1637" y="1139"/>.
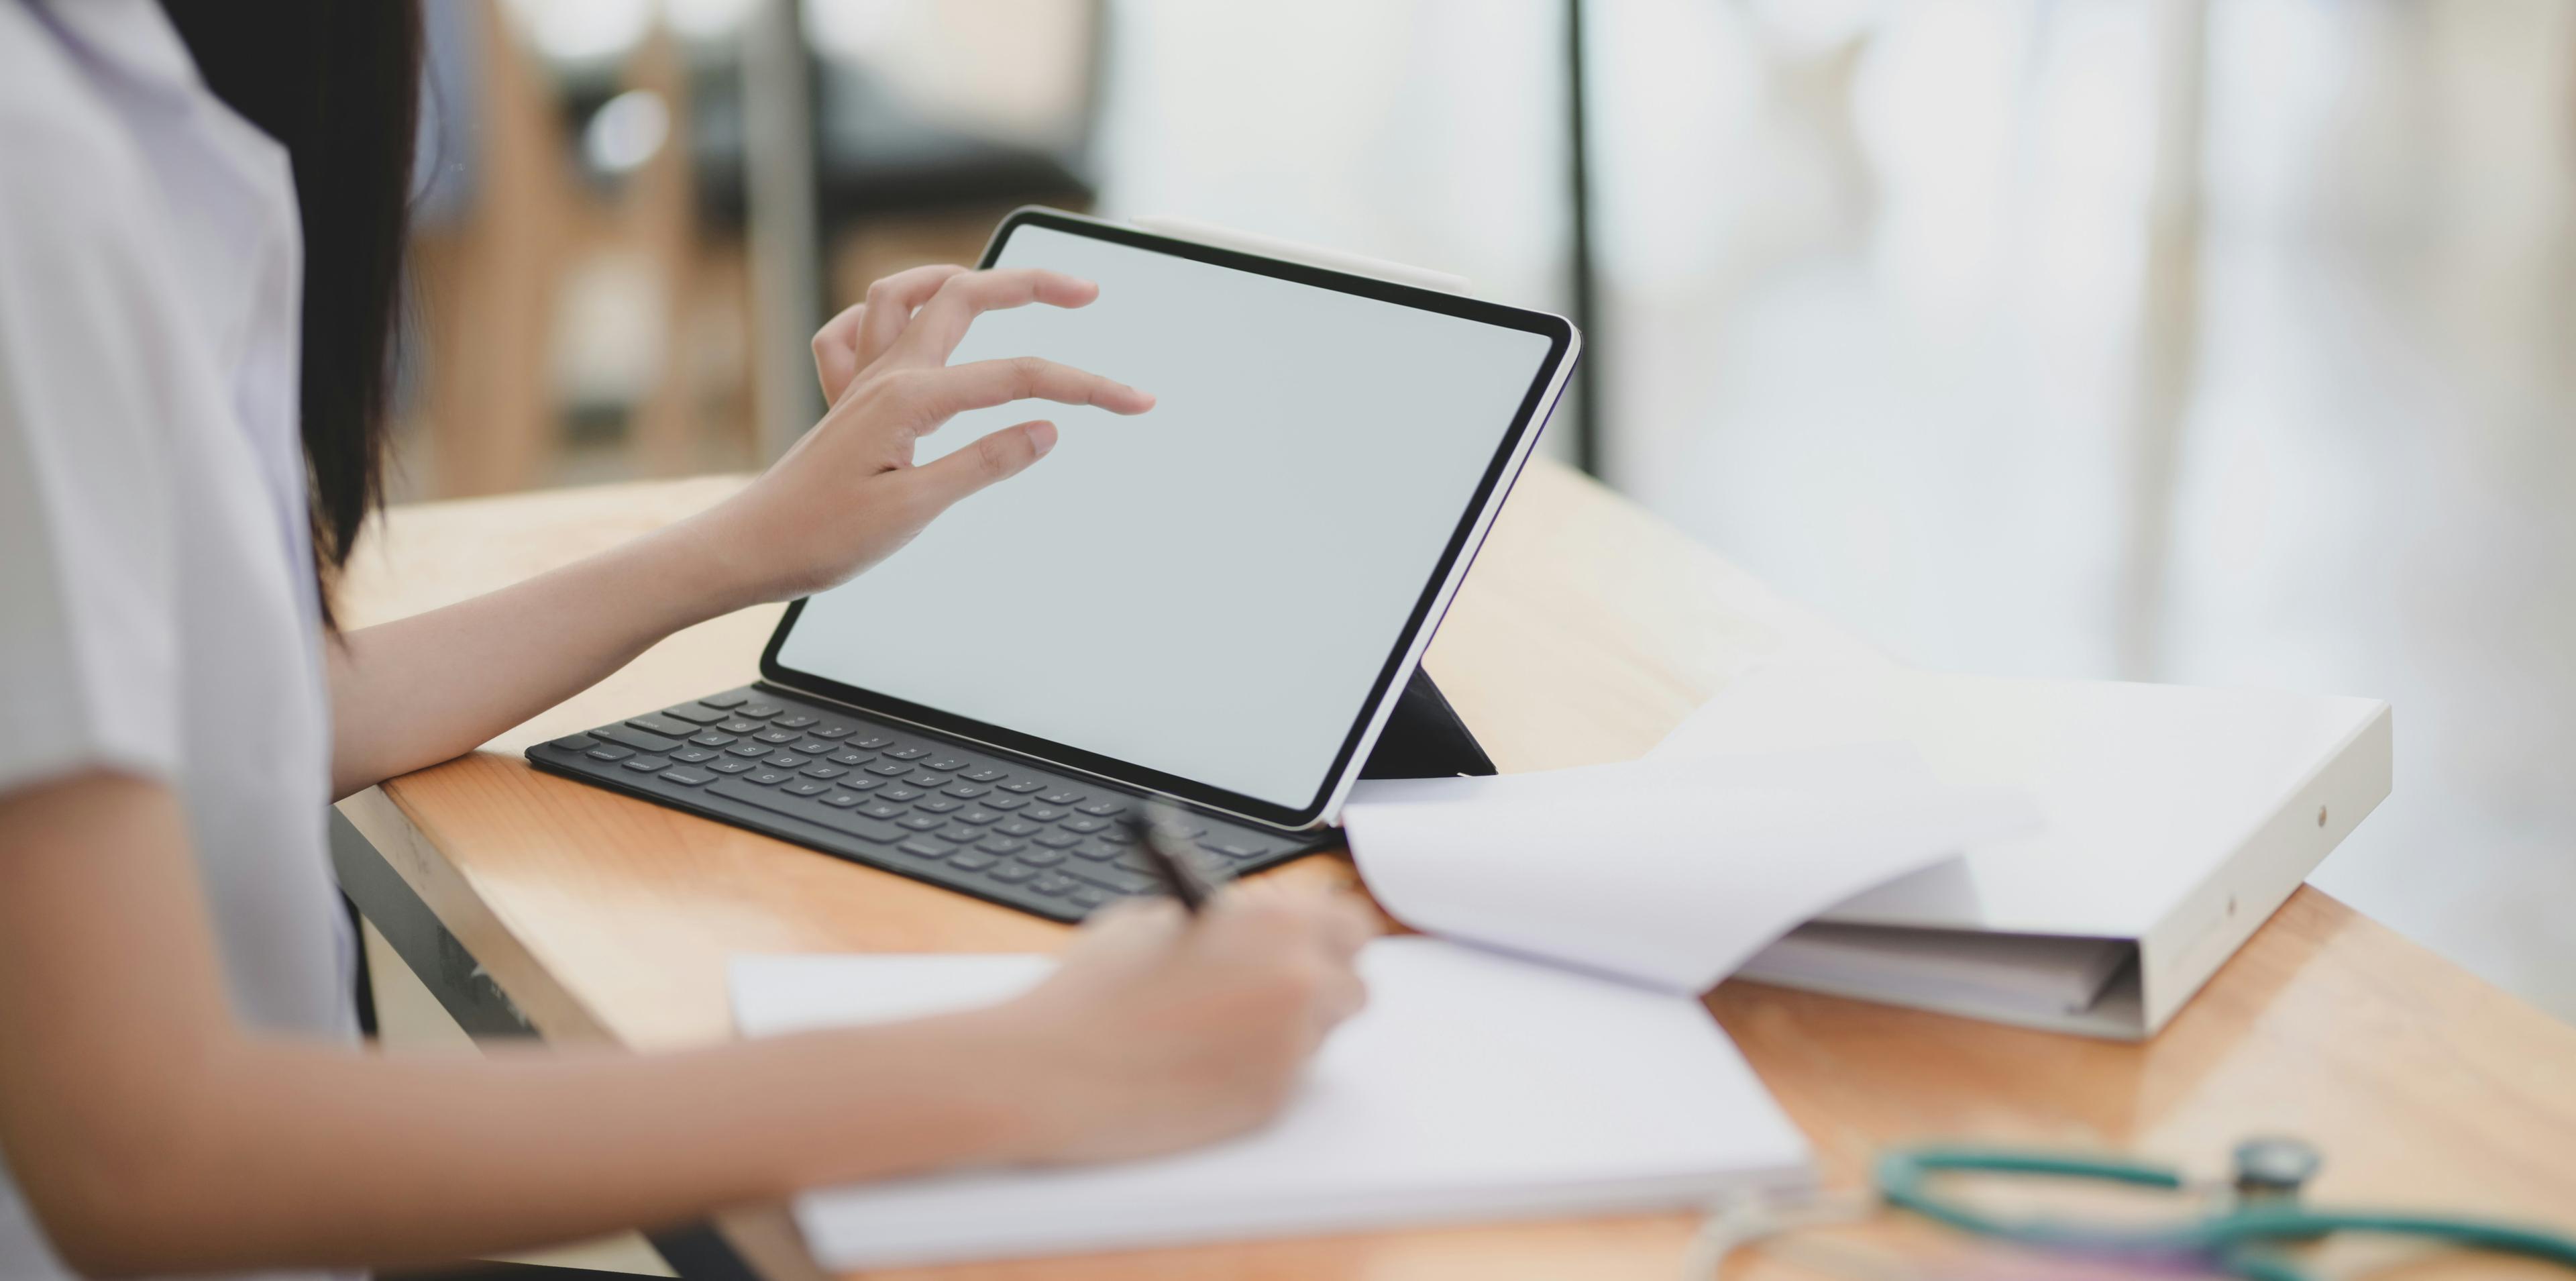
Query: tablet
<point x="1218" y="599"/>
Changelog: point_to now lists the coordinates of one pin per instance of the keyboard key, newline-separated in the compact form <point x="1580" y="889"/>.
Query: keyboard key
<point x="925" y="847"/>
<point x="767" y="777"/>
<point x="857" y="784"/>
<point x="639" y="739"/>
<point x="1232" y="849"/>
<point x="899" y="792"/>
<point x="730" y="765"/>
<point x="1042" y="858"/>
<point x="1098" y="852"/>
<point x="782" y="737"/>
<point x="1065" y="796"/>
<point x="725" y="700"/>
<point x="1057" y="840"/>
<point x="1116" y="878"/>
<point x="1090" y="897"/>
<point x="800" y="808"/>
<point x="961" y="835"/>
<point x="945" y="763"/>
<point x="927" y="782"/>
<point x="749" y="751"/>
<point x="833" y="731"/>
<point x="984" y="774"/>
<point x="807" y="787"/>
<point x="873" y="742"/>
<point x="972" y="861"/>
<point x="923" y="822"/>
<point x="879" y="809"/>
<point x="1052" y="884"/>
<point x="713" y="739"/>
<point x="695" y="713"/>
<point x="941" y="805"/>
<point x="1103" y="809"/>
<point x="1086" y="826"/>
<point x="909" y="753"/>
<point x="824" y="771"/>
<point x="852" y="758"/>
<point x="840" y="799"/>
<point x="608" y="753"/>
<point x="813" y="747"/>
<point x="687" y="777"/>
<point x="1001" y="845"/>
<point x="664" y="725"/>
<point x="1024" y="786"/>
<point x="788" y="761"/>
<point x="1043" y="813"/>
<point x="1012" y="873"/>
<point x="977" y="814"/>
<point x="966" y="791"/>
<point x="649" y="764"/>
<point x="1017" y="827"/>
<point x="891" y="769"/>
<point x="758" y="711"/>
<point x="1002" y="802"/>
<point x="576" y="742"/>
<point x="794" y="720"/>
<point x="738" y="725"/>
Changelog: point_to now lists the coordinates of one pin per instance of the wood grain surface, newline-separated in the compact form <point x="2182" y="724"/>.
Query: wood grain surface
<point x="1585" y="632"/>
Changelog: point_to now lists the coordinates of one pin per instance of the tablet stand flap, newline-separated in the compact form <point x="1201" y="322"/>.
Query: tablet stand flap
<point x="1424" y="738"/>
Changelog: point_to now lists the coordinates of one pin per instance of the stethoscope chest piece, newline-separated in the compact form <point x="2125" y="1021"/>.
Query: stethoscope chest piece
<point x="2275" y="1168"/>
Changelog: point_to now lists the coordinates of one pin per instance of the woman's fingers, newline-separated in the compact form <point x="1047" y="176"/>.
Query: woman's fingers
<point x="851" y="341"/>
<point x="848" y="342"/>
<point x="889" y="309"/>
<point x="836" y="355"/>
<point x="941" y="324"/>
<point x="936" y="395"/>
<point x="1003" y="454"/>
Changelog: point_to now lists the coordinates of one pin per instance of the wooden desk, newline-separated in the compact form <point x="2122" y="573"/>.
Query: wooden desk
<point x="1586" y="630"/>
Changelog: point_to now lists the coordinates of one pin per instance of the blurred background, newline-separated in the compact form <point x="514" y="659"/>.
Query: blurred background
<point x="2152" y="339"/>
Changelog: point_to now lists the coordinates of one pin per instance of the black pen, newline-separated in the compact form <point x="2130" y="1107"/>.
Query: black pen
<point x="1167" y="847"/>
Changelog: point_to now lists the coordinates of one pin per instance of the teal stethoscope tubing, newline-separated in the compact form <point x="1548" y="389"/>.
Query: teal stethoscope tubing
<point x="2234" y="1238"/>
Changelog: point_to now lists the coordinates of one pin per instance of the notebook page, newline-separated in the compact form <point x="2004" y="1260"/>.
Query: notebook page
<point x="1474" y="1086"/>
<point x="1669" y="872"/>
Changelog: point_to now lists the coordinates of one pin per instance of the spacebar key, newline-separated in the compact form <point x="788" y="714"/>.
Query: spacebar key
<point x="797" y="807"/>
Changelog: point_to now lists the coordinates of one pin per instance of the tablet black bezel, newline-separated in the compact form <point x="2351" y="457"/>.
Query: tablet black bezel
<point x="1526" y="420"/>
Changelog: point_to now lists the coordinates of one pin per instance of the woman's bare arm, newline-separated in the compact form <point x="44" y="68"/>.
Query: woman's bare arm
<point x="419" y="690"/>
<point x="151" y="1134"/>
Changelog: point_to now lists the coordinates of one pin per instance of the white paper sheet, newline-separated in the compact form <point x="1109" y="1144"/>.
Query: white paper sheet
<point x="1669" y="872"/>
<point x="1475" y="1086"/>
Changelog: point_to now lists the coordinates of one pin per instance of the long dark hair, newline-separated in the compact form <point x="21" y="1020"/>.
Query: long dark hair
<point x="337" y="82"/>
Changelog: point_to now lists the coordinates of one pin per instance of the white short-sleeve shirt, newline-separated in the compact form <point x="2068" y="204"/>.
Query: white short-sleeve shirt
<point x="157" y="607"/>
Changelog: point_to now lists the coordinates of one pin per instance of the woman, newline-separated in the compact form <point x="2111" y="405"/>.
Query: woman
<point x="199" y="233"/>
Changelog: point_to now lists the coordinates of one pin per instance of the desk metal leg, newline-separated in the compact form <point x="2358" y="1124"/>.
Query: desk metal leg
<point x="697" y="1252"/>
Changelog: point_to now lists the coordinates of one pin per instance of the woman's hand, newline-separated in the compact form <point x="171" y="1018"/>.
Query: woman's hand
<point x="848" y="495"/>
<point x="1162" y="1031"/>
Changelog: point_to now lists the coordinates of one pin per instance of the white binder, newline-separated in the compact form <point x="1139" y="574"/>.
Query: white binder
<point x="2178" y="820"/>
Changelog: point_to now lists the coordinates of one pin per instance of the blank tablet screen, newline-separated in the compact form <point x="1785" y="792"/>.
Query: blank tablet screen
<point x="1210" y="589"/>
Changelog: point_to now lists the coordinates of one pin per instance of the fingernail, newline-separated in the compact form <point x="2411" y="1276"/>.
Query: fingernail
<point x="1042" y="437"/>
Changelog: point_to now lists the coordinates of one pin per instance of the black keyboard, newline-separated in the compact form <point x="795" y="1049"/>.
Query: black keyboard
<point x="902" y="799"/>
